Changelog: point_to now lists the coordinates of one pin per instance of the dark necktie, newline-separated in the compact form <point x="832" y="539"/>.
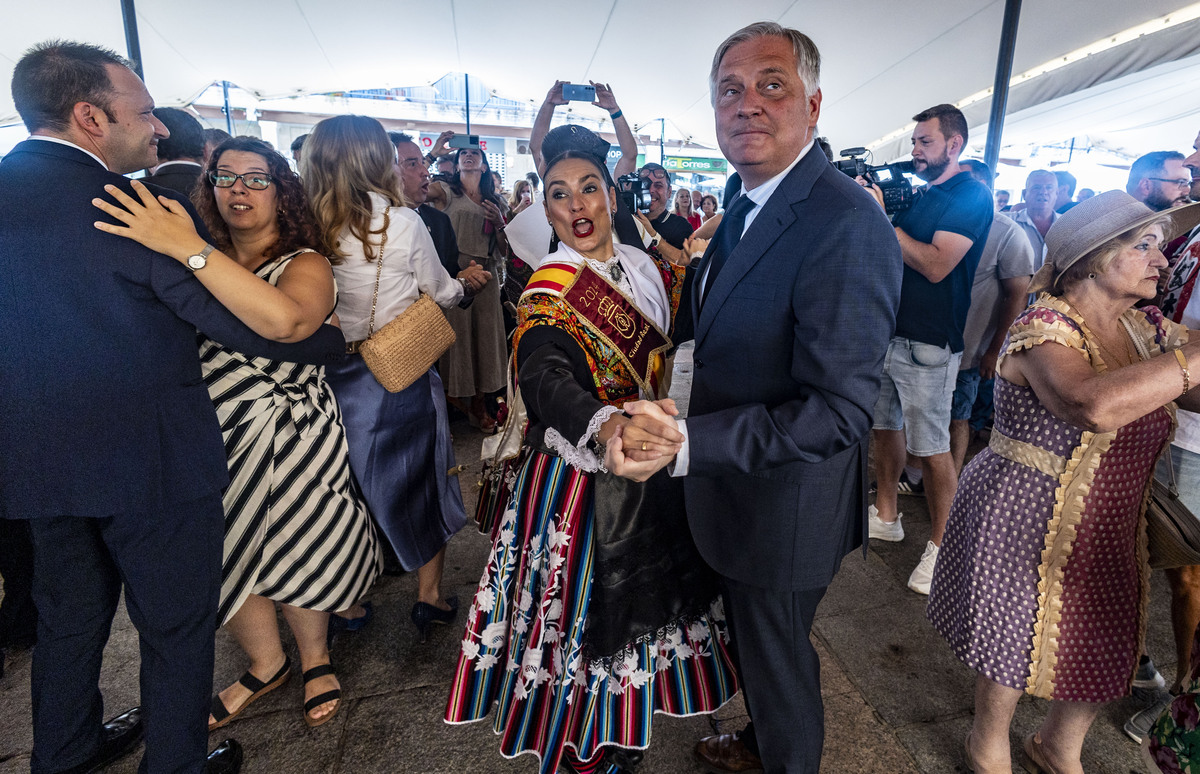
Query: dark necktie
<point x="727" y="236"/>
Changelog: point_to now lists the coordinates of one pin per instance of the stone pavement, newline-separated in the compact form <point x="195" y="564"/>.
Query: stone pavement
<point x="896" y="700"/>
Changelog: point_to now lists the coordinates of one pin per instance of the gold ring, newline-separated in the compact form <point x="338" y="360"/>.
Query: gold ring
<point x="643" y="446"/>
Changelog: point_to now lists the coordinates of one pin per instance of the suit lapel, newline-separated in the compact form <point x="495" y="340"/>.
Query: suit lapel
<point x="769" y="224"/>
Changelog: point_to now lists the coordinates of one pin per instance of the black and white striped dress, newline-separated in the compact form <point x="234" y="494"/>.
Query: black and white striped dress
<point x="296" y="529"/>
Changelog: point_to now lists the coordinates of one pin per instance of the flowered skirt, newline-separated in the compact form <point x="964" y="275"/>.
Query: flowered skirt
<point x="523" y="650"/>
<point x="1175" y="737"/>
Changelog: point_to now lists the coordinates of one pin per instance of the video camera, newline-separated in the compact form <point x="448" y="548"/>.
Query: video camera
<point x="634" y="190"/>
<point x="897" y="191"/>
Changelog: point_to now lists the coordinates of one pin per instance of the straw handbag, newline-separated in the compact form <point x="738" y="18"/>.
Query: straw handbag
<point x="1172" y="531"/>
<point x="404" y="349"/>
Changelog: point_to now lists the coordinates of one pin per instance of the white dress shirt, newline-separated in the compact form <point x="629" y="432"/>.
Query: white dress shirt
<point x="69" y="144"/>
<point x="410" y="267"/>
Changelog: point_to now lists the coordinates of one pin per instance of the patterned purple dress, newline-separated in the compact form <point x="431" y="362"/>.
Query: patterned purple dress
<point x="1041" y="581"/>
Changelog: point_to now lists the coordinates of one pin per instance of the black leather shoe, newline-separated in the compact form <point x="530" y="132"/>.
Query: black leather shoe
<point x="226" y="758"/>
<point x="120" y="736"/>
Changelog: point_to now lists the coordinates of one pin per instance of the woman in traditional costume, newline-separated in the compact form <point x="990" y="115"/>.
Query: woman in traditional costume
<point x="595" y="610"/>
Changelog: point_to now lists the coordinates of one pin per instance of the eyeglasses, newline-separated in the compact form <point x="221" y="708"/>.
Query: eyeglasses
<point x="1178" y="182"/>
<point x="255" y="181"/>
<point x="412" y="163"/>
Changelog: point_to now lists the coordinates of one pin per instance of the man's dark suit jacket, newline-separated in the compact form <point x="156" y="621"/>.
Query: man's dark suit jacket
<point x="789" y="352"/>
<point x="177" y="177"/>
<point x="441" y="229"/>
<point x="102" y="406"/>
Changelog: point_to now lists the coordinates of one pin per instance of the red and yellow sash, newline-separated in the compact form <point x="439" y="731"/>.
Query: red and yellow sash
<point x="610" y="314"/>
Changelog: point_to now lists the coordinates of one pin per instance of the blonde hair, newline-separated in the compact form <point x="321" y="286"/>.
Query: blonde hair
<point x="345" y="159"/>
<point x="518" y="187"/>
<point x="1099" y="259"/>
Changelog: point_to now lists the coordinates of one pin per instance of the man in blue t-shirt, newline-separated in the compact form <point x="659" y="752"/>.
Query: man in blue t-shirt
<point x="941" y="238"/>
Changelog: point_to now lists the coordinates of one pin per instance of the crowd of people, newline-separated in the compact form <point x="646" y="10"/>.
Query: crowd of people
<point x="242" y="458"/>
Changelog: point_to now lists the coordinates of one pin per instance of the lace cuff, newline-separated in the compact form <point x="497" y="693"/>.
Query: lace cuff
<point x="579" y="455"/>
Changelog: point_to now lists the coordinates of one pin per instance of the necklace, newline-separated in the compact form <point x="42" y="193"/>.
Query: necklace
<point x="1126" y="357"/>
<point x="1128" y="354"/>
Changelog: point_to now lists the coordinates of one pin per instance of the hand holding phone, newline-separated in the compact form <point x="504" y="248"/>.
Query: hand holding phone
<point x="579" y="92"/>
<point x="464" y="141"/>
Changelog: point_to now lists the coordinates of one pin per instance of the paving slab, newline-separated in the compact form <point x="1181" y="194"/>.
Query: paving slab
<point x="895" y="698"/>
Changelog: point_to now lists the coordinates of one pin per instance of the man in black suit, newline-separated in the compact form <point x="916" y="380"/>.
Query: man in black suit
<point x="795" y="301"/>
<point x="180" y="153"/>
<point x="111" y="448"/>
<point x="414" y="176"/>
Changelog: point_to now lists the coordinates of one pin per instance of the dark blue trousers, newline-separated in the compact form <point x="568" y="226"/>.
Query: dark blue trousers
<point x="169" y="566"/>
<point x="780" y="673"/>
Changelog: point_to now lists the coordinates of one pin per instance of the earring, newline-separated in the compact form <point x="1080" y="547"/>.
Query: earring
<point x="1092" y="275"/>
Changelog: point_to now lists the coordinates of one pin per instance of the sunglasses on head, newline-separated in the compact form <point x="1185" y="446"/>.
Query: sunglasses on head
<point x="255" y="181"/>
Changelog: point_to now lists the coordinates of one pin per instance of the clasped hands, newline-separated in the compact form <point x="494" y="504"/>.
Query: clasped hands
<point x="475" y="276"/>
<point x="643" y="440"/>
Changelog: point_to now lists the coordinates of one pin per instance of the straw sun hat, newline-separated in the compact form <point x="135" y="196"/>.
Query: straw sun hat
<point x="1095" y="221"/>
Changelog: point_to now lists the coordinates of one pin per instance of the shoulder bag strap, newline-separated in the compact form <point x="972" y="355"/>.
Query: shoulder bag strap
<point x="387" y="221"/>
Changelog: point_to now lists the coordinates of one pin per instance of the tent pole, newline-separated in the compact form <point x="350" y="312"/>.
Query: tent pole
<point x="467" y="89"/>
<point x="1004" y="64"/>
<point x="129" y="16"/>
<point x="228" y="113"/>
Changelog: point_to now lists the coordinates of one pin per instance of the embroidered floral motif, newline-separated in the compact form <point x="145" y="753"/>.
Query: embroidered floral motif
<point x="551" y="652"/>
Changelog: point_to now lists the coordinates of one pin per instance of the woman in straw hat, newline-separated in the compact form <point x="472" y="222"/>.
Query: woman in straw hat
<point x="1041" y="584"/>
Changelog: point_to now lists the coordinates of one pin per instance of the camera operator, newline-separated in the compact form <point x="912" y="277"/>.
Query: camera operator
<point x="941" y="239"/>
<point x="671" y="228"/>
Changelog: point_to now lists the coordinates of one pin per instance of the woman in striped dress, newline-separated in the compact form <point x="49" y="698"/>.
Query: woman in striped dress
<point x="296" y="531"/>
<point x="594" y="611"/>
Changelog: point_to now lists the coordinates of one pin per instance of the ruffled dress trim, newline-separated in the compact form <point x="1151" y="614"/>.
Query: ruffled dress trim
<point x="1052" y="319"/>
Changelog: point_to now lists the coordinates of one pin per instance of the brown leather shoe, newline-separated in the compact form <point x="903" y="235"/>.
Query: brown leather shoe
<point x="725" y="752"/>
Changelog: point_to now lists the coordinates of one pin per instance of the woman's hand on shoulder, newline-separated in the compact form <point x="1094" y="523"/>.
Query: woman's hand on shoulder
<point x="159" y="223"/>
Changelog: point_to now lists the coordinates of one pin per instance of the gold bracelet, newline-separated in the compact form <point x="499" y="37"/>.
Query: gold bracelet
<point x="1187" y="376"/>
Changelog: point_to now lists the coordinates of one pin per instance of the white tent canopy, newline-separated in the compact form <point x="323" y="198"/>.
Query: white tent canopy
<point x="883" y="60"/>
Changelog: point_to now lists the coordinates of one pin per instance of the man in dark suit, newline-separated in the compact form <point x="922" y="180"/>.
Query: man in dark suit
<point x="414" y="177"/>
<point x="111" y="448"/>
<point x="795" y="303"/>
<point x="180" y="153"/>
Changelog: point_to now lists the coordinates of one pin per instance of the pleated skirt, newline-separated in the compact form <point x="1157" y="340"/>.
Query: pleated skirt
<point x="401" y="454"/>
<point x="523" y="650"/>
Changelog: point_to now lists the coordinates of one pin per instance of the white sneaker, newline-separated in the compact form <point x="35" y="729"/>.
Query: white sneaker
<point x="1147" y="675"/>
<point x="922" y="576"/>
<point x="1140" y="724"/>
<point x="881" y="530"/>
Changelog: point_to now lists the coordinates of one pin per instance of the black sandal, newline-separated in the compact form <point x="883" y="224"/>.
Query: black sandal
<point x="257" y="688"/>
<point x="320" y="670"/>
